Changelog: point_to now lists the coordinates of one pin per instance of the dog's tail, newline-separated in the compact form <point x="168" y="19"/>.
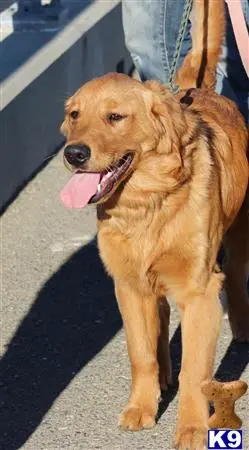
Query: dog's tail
<point x="208" y="25"/>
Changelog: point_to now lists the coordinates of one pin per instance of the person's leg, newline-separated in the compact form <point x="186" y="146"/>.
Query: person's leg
<point x="232" y="80"/>
<point x="151" y="29"/>
<point x="236" y="269"/>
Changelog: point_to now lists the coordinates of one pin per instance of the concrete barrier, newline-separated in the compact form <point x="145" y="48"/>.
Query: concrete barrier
<point x="32" y="96"/>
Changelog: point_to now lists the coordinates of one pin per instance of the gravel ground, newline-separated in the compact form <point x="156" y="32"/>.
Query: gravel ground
<point x="64" y="372"/>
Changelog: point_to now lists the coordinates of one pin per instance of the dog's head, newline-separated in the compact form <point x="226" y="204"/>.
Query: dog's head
<point x="114" y="125"/>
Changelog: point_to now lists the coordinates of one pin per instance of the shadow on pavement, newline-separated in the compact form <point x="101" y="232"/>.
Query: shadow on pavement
<point x="176" y="353"/>
<point x="73" y="317"/>
<point x="234" y="362"/>
<point x="231" y="367"/>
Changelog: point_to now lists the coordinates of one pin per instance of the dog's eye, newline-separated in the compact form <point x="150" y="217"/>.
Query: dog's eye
<point x="74" y="114"/>
<point x="115" y="117"/>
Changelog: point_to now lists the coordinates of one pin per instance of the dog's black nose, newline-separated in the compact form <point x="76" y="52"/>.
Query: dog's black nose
<point x="77" y="155"/>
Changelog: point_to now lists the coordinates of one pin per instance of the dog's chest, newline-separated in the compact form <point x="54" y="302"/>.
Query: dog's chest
<point x="129" y="256"/>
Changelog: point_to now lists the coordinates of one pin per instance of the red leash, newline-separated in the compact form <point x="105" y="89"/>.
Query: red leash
<point x="240" y="31"/>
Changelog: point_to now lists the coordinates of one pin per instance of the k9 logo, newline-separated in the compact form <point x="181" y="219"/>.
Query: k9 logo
<point x="225" y="439"/>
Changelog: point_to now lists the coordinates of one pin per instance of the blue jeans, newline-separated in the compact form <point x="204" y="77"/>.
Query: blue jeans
<point x="151" y="28"/>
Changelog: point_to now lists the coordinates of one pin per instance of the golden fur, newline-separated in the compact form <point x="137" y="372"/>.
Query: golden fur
<point x="160" y="228"/>
<point x="198" y="69"/>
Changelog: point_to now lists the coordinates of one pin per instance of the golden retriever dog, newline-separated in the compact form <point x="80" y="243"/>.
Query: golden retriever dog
<point x="169" y="176"/>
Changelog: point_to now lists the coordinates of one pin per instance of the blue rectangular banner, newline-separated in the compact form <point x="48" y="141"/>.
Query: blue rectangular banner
<point x="225" y="439"/>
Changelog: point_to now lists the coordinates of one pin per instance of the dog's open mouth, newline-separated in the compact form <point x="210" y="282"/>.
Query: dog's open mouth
<point x="91" y="187"/>
<point x="110" y="176"/>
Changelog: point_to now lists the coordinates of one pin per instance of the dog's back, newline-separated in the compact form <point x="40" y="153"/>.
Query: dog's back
<point x="229" y="138"/>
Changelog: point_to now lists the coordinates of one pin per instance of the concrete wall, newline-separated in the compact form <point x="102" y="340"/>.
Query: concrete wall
<point x="33" y="96"/>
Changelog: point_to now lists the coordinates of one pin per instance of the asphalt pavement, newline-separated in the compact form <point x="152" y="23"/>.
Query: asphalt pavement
<point x="64" y="371"/>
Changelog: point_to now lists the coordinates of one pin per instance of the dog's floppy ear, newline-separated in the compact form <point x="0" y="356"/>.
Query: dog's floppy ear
<point x="168" y="116"/>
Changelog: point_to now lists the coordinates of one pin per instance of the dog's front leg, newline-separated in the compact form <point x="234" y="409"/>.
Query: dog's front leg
<point x="141" y="322"/>
<point x="200" y="318"/>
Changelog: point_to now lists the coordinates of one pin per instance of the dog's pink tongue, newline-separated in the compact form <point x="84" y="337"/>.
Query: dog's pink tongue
<point x="80" y="188"/>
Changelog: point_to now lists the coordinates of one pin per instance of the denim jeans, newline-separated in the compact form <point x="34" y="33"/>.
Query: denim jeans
<point x="151" y="28"/>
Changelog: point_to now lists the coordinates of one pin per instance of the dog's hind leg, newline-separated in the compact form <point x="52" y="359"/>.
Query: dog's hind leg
<point x="163" y="353"/>
<point x="236" y="269"/>
<point x="141" y="322"/>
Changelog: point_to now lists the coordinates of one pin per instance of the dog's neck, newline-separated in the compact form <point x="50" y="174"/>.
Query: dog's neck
<point x="162" y="179"/>
<point x="154" y="186"/>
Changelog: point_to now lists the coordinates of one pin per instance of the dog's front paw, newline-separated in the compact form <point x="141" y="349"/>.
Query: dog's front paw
<point x="191" y="438"/>
<point x="136" y="418"/>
